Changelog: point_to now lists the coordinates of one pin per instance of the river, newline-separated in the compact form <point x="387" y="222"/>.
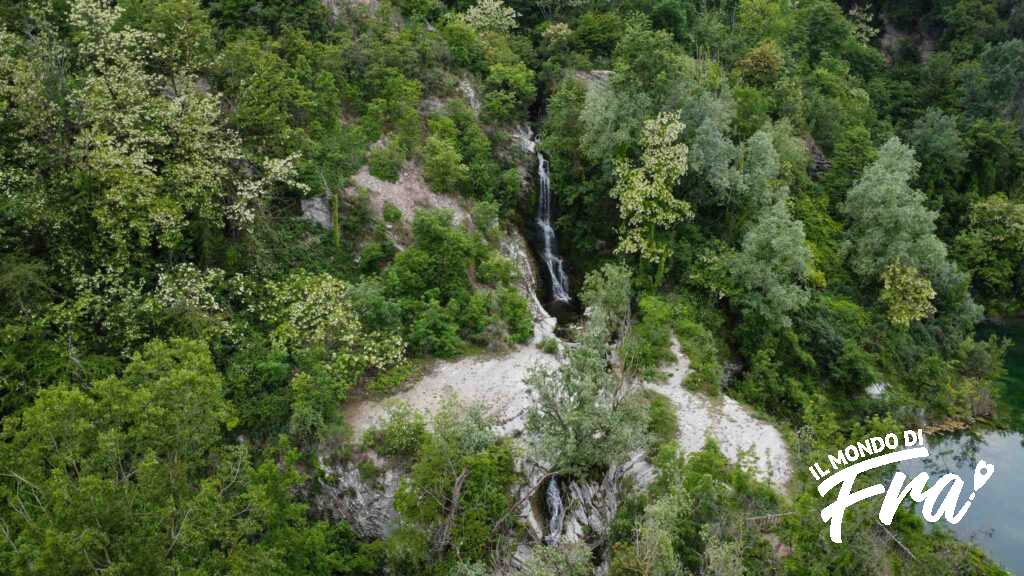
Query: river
<point x="996" y="519"/>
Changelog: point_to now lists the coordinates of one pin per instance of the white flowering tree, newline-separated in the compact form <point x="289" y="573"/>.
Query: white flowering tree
<point x="491" y="16"/>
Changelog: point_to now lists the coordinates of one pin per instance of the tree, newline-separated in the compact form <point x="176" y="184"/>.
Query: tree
<point x="644" y="191"/>
<point x="992" y="248"/>
<point x="586" y="416"/>
<point x="510" y="89"/>
<point x="772" y="266"/>
<point x="130" y="475"/>
<point x="460" y="485"/>
<point x="563" y="560"/>
<point x="760" y="173"/>
<point x="652" y="551"/>
<point x="906" y="294"/>
<point x="491" y="16"/>
<point x="943" y="155"/>
<point x="888" y="221"/>
<point x="443" y="166"/>
<point x="607" y="293"/>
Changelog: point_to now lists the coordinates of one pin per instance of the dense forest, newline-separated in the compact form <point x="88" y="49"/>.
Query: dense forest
<point x="814" y="202"/>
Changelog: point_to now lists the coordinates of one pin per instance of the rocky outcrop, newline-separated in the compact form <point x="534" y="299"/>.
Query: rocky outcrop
<point x="494" y="381"/>
<point x="514" y="247"/>
<point x="365" y="501"/>
<point x="317" y="209"/>
<point x="819" y="164"/>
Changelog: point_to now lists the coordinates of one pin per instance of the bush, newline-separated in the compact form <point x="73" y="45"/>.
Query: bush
<point x="495" y="270"/>
<point x="396" y="377"/>
<point x="375" y="255"/>
<point x="435" y="332"/>
<point x="485" y="218"/>
<point x="442" y="165"/>
<point x="510" y="90"/>
<point x="649" y="343"/>
<point x="462" y="448"/>
<point x="701" y="348"/>
<point x="549" y="345"/>
<point x="401" y="433"/>
<point x="391" y="213"/>
<point x="663" y="423"/>
<point x="515" y="313"/>
<point x="386" y="161"/>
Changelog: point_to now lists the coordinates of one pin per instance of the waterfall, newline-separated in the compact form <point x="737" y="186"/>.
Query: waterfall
<point x="556" y="512"/>
<point x="549" y="254"/>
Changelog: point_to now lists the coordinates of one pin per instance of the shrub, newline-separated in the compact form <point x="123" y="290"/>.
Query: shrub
<point x="515" y="313"/>
<point x="394" y="378"/>
<point x="649" y="342"/>
<point x="549" y="345"/>
<point x="462" y="448"/>
<point x="663" y="423"/>
<point x="375" y="255"/>
<point x="435" y="332"/>
<point x="391" y="213"/>
<point x="699" y="346"/>
<point x="401" y="433"/>
<point x="485" y="218"/>
<point x="386" y="161"/>
<point x="495" y="270"/>
<point x="443" y="166"/>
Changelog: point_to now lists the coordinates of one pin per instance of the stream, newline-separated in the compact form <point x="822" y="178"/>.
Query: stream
<point x="995" y="521"/>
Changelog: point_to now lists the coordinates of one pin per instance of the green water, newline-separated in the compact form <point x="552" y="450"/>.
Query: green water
<point x="1011" y="390"/>
<point x="996" y="519"/>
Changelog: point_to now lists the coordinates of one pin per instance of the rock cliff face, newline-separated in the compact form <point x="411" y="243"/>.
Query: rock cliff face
<point x="365" y="503"/>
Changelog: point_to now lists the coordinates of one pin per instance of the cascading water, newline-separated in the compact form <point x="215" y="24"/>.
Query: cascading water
<point x="549" y="243"/>
<point x="556" y="512"/>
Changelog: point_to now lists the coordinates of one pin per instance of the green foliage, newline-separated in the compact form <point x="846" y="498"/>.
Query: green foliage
<point x="510" y="90"/>
<point x="391" y="213"/>
<point x="127" y="460"/>
<point x="906" y="295"/>
<point x="495" y="270"/>
<point x="583" y="417"/>
<point x="514" y="312"/>
<point x="701" y="348"/>
<point x="153" y="156"/>
<point x="395" y="378"/>
<point x="992" y="248"/>
<point x="386" y="161"/>
<point x="486" y="218"/>
<point x="888" y="219"/>
<point x="771" y="268"/>
<point x="443" y="166"/>
<point x="562" y="560"/>
<point x="646" y="203"/>
<point x="648" y="344"/>
<point x="549" y="345"/>
<point x="461" y="481"/>
<point x="663" y="423"/>
<point x="435" y="331"/>
<point x="401" y="433"/>
<point x="274" y="16"/>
